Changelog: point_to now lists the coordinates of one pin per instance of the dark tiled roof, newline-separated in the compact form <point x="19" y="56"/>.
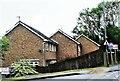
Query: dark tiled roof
<point x="68" y="36"/>
<point x="41" y="35"/>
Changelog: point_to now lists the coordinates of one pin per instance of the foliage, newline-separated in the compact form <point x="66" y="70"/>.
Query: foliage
<point x="22" y="69"/>
<point x="4" y="46"/>
<point x="91" y="20"/>
<point x="114" y="34"/>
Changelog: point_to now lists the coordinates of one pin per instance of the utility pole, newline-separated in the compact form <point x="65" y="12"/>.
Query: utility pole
<point x="107" y="57"/>
<point x="118" y="13"/>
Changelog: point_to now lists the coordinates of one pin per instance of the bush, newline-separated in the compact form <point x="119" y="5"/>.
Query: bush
<point x="21" y="69"/>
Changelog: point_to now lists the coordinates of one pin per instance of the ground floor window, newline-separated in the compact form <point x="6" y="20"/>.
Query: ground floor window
<point x="50" y="62"/>
<point x="34" y="62"/>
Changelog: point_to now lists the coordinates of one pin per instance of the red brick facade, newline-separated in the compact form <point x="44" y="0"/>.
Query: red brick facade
<point x="67" y="48"/>
<point x="88" y="45"/>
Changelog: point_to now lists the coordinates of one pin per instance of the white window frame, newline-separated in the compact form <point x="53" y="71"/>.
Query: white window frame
<point x="46" y="46"/>
<point x="50" y="47"/>
<point x="53" y="48"/>
<point x="79" y="50"/>
<point x="32" y="61"/>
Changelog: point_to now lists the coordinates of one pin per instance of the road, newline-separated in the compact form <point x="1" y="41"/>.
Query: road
<point x="113" y="73"/>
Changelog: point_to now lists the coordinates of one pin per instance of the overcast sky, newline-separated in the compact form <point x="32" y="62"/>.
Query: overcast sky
<point x="47" y="16"/>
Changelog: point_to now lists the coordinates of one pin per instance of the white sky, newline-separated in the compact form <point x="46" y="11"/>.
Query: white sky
<point x="47" y="16"/>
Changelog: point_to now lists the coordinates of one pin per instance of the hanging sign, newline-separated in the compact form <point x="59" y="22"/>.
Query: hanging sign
<point x="110" y="46"/>
<point x="115" y="46"/>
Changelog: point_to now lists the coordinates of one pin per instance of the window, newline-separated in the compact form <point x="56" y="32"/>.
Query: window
<point x="34" y="62"/>
<point x="79" y="50"/>
<point x="50" y="62"/>
<point x="53" y="48"/>
<point x="46" y="46"/>
<point x="50" y="47"/>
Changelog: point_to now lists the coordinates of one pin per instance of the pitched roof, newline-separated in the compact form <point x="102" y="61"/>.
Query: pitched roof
<point x="88" y="39"/>
<point x="66" y="35"/>
<point x="34" y="31"/>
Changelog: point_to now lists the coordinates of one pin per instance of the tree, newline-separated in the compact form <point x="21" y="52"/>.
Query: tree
<point x="114" y="34"/>
<point x="4" y="46"/>
<point x="91" y="20"/>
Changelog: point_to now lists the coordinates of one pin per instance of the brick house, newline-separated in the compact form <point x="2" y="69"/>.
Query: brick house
<point x="28" y="44"/>
<point x="68" y="47"/>
<point x="88" y="45"/>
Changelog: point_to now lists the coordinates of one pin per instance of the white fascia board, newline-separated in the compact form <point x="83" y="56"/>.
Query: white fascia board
<point x="25" y="27"/>
<point x="68" y="36"/>
<point x="33" y="31"/>
<point x="88" y="39"/>
<point x="54" y="41"/>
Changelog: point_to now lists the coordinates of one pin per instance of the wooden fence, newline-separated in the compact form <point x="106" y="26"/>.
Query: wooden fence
<point x="92" y="59"/>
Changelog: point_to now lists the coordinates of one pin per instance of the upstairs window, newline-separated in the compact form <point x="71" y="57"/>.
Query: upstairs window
<point x="46" y="46"/>
<point x="53" y="48"/>
<point x="50" y="47"/>
<point x="79" y="50"/>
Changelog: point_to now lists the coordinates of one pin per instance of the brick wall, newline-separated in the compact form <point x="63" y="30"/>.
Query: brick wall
<point x="87" y="45"/>
<point x="50" y="55"/>
<point x="66" y="48"/>
<point x="23" y="44"/>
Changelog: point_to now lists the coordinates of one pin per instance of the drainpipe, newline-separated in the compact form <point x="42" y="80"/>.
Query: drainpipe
<point x="43" y="54"/>
<point x="44" y="60"/>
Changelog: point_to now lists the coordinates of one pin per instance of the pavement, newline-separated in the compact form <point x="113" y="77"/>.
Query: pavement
<point x="55" y="75"/>
<point x="79" y="72"/>
<point x="99" y="70"/>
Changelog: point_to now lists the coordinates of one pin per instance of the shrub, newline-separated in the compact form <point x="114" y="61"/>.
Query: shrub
<point x="21" y="69"/>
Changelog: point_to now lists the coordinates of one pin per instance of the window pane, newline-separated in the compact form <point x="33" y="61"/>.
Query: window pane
<point x="54" y="48"/>
<point x="46" y="46"/>
<point x="50" y="47"/>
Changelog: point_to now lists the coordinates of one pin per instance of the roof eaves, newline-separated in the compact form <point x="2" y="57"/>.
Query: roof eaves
<point x="26" y="26"/>
<point x="55" y="41"/>
<point x="88" y="39"/>
<point x="68" y="36"/>
<point x="36" y="32"/>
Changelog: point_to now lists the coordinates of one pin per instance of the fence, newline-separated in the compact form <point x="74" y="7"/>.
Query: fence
<point x="92" y="59"/>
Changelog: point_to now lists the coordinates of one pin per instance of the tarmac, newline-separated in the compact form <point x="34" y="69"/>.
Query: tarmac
<point x="79" y="72"/>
